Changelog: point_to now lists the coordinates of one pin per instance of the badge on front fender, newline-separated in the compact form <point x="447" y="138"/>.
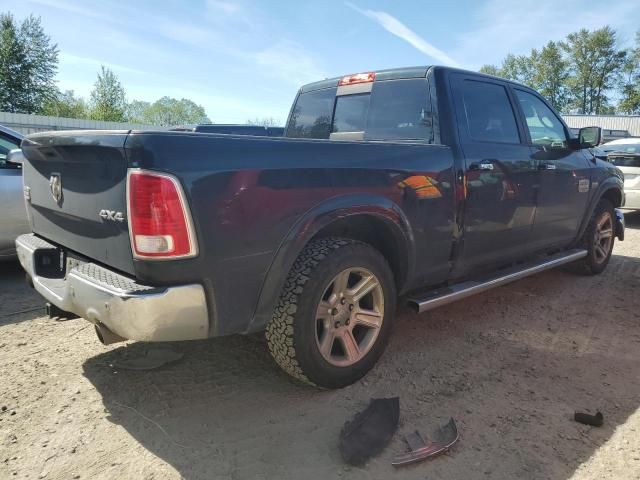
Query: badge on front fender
<point x="583" y="185"/>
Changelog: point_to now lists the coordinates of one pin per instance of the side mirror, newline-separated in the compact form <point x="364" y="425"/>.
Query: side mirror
<point x="589" y="137"/>
<point x="15" y="158"/>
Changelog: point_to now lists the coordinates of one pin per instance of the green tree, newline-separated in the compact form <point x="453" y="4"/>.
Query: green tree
<point x="67" y="105"/>
<point x="518" y="68"/>
<point x="169" y="111"/>
<point x="136" y="111"/>
<point x="108" y="100"/>
<point x="630" y="81"/>
<point x="28" y="65"/>
<point x="514" y="67"/>
<point x="550" y="74"/>
<point x="594" y="61"/>
<point x="490" y="70"/>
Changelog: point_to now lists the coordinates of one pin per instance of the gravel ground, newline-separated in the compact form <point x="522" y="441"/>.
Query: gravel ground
<point x="511" y="366"/>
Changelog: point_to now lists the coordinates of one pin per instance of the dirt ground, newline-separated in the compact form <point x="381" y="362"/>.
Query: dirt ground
<point x="511" y="366"/>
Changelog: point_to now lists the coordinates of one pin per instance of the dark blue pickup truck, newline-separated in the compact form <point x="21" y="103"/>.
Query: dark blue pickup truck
<point x="427" y="184"/>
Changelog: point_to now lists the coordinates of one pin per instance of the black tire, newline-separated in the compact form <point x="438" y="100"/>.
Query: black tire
<point x="291" y="333"/>
<point x="595" y="263"/>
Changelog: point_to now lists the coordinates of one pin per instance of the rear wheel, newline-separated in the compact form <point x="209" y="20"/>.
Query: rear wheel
<point x="333" y="318"/>
<point x="598" y="240"/>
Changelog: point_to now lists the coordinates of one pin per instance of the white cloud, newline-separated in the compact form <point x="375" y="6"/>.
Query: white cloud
<point x="504" y="26"/>
<point x="71" y="60"/>
<point x="221" y="6"/>
<point x="287" y="61"/>
<point x="394" y="26"/>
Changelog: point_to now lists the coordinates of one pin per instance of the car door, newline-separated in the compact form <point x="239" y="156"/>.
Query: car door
<point x="500" y="174"/>
<point x="564" y="182"/>
<point x="13" y="215"/>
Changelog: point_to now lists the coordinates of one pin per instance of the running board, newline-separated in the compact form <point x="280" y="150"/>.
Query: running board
<point x="442" y="296"/>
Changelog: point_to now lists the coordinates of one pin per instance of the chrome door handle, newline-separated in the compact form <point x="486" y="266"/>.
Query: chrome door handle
<point x="483" y="165"/>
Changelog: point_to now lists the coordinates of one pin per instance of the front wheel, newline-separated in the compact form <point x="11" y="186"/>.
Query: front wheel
<point x="333" y="318"/>
<point x="598" y="240"/>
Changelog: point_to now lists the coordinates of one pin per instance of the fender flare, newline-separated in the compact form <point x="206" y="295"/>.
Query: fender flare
<point x="611" y="183"/>
<point x="312" y="222"/>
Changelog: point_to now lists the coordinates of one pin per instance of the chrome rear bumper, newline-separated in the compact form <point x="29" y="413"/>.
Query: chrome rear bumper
<point x="107" y="298"/>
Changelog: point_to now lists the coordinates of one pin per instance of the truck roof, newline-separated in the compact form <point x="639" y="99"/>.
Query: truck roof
<point x="388" y="74"/>
<point x="394" y="74"/>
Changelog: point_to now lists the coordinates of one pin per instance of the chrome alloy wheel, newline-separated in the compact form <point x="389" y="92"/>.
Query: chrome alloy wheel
<point x="603" y="237"/>
<point x="349" y="316"/>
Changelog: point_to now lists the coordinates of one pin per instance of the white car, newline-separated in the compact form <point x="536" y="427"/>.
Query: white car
<point x="625" y="154"/>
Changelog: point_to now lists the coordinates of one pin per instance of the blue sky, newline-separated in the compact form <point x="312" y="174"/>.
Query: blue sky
<point x="245" y="59"/>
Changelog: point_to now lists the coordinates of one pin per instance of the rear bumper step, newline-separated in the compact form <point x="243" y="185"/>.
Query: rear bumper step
<point x="443" y="296"/>
<point x="108" y="299"/>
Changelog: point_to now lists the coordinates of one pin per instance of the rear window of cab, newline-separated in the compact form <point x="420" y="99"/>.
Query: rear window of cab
<point x="393" y="110"/>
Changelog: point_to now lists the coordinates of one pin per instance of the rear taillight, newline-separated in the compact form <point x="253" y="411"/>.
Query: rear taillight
<point x="159" y="222"/>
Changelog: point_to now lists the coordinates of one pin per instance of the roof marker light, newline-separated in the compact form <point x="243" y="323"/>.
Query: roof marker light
<point x="357" y="78"/>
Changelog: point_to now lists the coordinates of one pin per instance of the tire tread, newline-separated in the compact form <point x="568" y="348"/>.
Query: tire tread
<point x="280" y="330"/>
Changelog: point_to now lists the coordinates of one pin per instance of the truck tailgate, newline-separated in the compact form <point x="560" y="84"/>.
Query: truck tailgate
<point x="75" y="186"/>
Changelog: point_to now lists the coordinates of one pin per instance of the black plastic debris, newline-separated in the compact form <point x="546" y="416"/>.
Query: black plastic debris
<point x="369" y="431"/>
<point x="441" y="440"/>
<point x="587" y="419"/>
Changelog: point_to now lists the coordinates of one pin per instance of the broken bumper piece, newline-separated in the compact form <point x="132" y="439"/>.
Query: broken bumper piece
<point x="443" y="439"/>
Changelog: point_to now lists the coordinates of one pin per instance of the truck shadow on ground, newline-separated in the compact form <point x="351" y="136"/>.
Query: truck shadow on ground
<point x="511" y="366"/>
<point x="18" y="301"/>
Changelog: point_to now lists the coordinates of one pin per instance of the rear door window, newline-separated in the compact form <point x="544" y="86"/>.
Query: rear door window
<point x="488" y="112"/>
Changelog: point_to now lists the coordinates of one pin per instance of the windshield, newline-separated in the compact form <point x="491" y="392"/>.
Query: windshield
<point x="633" y="148"/>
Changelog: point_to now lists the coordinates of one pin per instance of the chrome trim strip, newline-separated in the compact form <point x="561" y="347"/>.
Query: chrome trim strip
<point x="350" y="136"/>
<point x="466" y="289"/>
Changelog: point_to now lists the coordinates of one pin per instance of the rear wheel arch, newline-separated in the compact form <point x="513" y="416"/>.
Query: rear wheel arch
<point x="377" y="232"/>
<point x="392" y="238"/>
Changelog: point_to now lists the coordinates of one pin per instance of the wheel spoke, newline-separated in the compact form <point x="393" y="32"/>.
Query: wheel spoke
<point x="368" y="318"/>
<point x="326" y="344"/>
<point x="324" y="309"/>
<point x="351" y="349"/>
<point x="600" y="251"/>
<point x="605" y="219"/>
<point x="341" y="282"/>
<point x="364" y="286"/>
<point x="606" y="233"/>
